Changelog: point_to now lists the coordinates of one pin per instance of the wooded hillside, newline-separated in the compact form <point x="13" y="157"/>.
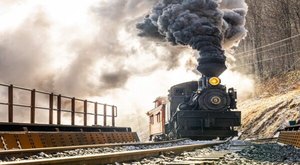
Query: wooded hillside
<point x="272" y="46"/>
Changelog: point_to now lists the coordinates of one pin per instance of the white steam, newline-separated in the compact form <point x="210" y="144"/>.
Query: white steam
<point x="88" y="49"/>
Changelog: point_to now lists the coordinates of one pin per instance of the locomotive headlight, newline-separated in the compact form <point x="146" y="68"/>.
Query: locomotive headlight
<point x="214" y="81"/>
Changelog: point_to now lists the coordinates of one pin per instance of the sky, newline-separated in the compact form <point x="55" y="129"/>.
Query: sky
<point x="90" y="49"/>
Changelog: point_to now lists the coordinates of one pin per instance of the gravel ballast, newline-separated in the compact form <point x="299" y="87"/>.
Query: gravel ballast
<point x="233" y="152"/>
<point x="250" y="154"/>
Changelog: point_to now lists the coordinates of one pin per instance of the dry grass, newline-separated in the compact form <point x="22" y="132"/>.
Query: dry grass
<point x="278" y="85"/>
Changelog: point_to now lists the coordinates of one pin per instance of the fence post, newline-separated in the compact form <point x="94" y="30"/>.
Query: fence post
<point x="85" y="113"/>
<point x="73" y="111"/>
<point x="104" y="115"/>
<point x="113" y="116"/>
<point x="10" y="103"/>
<point x="58" y="109"/>
<point x="96" y="114"/>
<point x="51" y="108"/>
<point x="32" y="109"/>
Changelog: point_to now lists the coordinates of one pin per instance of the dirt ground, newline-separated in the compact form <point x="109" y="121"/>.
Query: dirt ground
<point x="263" y="116"/>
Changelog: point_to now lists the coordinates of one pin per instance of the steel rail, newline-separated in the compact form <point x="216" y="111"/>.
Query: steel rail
<point x="264" y="139"/>
<point x="116" y="156"/>
<point x="32" y="151"/>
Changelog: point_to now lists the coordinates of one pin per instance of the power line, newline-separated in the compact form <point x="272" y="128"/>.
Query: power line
<point x="264" y="50"/>
<point x="297" y="35"/>
<point x="288" y="54"/>
<point x="286" y="69"/>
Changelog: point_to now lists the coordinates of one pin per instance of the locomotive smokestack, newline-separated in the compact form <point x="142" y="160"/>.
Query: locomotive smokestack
<point x="206" y="25"/>
<point x="211" y="64"/>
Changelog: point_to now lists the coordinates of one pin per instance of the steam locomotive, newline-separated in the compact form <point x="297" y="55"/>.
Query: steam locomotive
<point x="202" y="110"/>
<point x="197" y="109"/>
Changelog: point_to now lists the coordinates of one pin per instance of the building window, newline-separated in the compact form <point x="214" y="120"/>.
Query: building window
<point x="151" y="119"/>
<point x="158" y="117"/>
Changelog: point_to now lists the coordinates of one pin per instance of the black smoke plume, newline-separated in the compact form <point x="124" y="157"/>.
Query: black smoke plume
<point x="208" y="26"/>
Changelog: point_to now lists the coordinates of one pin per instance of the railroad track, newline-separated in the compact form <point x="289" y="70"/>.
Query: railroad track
<point x="106" y="158"/>
<point x="48" y="150"/>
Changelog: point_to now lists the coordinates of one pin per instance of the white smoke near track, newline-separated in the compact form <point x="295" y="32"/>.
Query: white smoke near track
<point x="89" y="49"/>
<point x="24" y="52"/>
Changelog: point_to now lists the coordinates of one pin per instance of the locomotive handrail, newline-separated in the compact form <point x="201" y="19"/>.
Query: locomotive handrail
<point x="71" y="101"/>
